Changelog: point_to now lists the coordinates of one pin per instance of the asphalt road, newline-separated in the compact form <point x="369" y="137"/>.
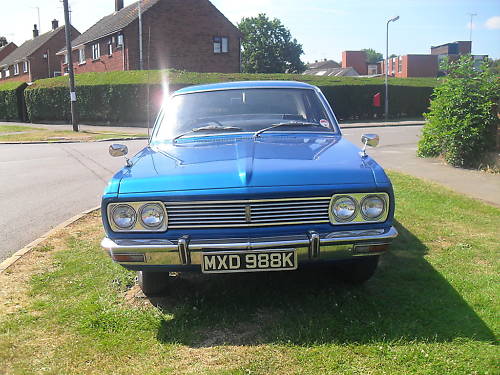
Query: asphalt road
<point x="42" y="185"/>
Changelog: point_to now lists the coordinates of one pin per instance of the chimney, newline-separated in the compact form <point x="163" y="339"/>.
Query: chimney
<point x="35" y="31"/>
<point x="118" y="5"/>
<point x="55" y="24"/>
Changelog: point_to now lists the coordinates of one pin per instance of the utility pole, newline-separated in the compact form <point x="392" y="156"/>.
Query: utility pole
<point x="471" y="15"/>
<point x="141" y="61"/>
<point x="387" y="67"/>
<point x="72" y="91"/>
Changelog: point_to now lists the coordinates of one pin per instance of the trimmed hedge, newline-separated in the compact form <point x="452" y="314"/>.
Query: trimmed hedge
<point x="120" y="97"/>
<point x="12" y="101"/>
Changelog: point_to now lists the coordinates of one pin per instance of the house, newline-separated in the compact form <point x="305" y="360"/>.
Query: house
<point x="411" y="66"/>
<point x="191" y="35"/>
<point x="35" y="58"/>
<point x="6" y="50"/>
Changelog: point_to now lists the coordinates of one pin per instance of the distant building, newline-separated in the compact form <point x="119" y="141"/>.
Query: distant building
<point x="356" y="60"/>
<point x="329" y="68"/>
<point x="411" y="66"/>
<point x="35" y="58"/>
<point x="190" y="35"/>
<point x="6" y="50"/>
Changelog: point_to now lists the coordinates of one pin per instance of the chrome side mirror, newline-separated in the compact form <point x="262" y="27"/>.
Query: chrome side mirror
<point x="371" y="140"/>
<point x="117" y="150"/>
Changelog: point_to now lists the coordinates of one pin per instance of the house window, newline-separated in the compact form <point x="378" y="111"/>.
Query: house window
<point x="400" y="64"/>
<point x="16" y="69"/>
<point x="110" y="48"/>
<point x="221" y="44"/>
<point x="81" y="55"/>
<point x="65" y="58"/>
<point x="96" y="52"/>
<point x="25" y="67"/>
<point x="7" y="72"/>
<point x="119" y="41"/>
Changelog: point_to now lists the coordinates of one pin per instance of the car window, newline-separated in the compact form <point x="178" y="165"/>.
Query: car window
<point x="242" y="109"/>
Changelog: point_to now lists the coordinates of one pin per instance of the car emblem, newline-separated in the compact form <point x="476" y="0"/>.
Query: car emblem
<point x="248" y="214"/>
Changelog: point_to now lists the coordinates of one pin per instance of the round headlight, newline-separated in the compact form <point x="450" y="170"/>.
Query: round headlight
<point x="344" y="208"/>
<point x="152" y="215"/>
<point x="372" y="207"/>
<point x="124" y="216"/>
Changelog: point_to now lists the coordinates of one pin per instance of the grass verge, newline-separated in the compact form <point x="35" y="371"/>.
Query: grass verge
<point x="15" y="133"/>
<point x="432" y="308"/>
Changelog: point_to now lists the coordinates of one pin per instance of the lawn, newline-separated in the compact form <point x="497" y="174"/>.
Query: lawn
<point x="16" y="133"/>
<point x="431" y="308"/>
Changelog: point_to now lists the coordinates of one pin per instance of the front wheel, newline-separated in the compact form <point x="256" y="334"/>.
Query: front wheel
<point x="359" y="271"/>
<point x="152" y="283"/>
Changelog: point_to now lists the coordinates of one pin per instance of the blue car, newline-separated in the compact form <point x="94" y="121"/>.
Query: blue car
<point x="247" y="177"/>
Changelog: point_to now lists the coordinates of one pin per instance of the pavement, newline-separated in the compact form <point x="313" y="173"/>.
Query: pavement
<point x="43" y="185"/>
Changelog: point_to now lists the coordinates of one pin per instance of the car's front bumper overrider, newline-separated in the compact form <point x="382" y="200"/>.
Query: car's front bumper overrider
<point x="186" y="252"/>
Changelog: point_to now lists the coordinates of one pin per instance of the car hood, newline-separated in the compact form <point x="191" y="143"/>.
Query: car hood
<point x="234" y="162"/>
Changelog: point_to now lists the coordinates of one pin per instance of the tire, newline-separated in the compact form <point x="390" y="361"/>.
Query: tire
<point x="359" y="271"/>
<point x="152" y="283"/>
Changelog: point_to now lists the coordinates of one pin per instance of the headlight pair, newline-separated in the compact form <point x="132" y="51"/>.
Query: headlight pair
<point x="358" y="208"/>
<point x="137" y="216"/>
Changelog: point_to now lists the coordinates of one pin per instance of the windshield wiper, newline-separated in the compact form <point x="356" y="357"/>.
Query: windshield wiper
<point x="293" y="123"/>
<point x="205" y="128"/>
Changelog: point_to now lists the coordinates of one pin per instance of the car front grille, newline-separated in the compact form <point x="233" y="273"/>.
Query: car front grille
<point x="249" y="213"/>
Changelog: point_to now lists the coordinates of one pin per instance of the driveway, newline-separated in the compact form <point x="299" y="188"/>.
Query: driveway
<point x="43" y="185"/>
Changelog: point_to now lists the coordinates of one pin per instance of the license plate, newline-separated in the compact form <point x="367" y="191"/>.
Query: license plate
<point x="254" y="261"/>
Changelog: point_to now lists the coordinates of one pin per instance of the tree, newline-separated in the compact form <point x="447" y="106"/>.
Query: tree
<point x="3" y="41"/>
<point x="495" y="66"/>
<point x="372" y="56"/>
<point x="268" y="47"/>
<point x="461" y="122"/>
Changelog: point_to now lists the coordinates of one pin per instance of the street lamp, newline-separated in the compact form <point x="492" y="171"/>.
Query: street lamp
<point x="387" y="67"/>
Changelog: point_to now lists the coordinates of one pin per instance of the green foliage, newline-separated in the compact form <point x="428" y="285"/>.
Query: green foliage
<point x="372" y="56"/>
<point x="494" y="66"/>
<point x="11" y="107"/>
<point x="3" y="41"/>
<point x="268" y="47"/>
<point x="461" y="121"/>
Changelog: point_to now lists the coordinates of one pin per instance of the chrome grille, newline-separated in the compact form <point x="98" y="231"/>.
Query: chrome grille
<point x="250" y="213"/>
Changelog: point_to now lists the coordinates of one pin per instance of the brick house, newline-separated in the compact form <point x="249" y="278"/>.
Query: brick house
<point x="36" y="58"/>
<point x="190" y="35"/>
<point x="6" y="50"/>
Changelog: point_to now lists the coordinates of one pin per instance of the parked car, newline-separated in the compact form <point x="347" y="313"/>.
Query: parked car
<point x="247" y="177"/>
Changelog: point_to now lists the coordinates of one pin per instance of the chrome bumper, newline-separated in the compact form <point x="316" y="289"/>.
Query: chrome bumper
<point x="311" y="246"/>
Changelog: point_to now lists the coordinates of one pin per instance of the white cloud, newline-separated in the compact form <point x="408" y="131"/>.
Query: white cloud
<point x="493" y="23"/>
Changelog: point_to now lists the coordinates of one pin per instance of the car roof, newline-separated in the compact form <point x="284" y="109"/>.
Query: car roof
<point x="244" y="85"/>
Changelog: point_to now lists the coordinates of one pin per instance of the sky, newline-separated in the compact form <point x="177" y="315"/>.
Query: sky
<point x="325" y="28"/>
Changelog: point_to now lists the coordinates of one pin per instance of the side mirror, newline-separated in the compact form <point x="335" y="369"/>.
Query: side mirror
<point x="371" y="140"/>
<point x="117" y="150"/>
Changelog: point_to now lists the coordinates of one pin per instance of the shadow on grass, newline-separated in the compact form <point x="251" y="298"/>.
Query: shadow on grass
<point x="407" y="300"/>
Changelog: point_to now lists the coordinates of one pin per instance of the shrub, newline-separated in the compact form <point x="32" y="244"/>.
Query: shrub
<point x="120" y="97"/>
<point x="461" y="120"/>
<point x="11" y="101"/>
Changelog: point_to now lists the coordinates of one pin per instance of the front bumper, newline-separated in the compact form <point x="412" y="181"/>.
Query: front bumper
<point x="186" y="253"/>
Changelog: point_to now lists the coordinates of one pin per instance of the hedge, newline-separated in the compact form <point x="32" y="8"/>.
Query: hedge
<point x="12" y="101"/>
<point x="120" y="97"/>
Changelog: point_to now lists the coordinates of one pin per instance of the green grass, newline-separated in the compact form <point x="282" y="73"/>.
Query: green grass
<point x="432" y="307"/>
<point x="7" y="86"/>
<point x="192" y="78"/>
<point x="16" y="133"/>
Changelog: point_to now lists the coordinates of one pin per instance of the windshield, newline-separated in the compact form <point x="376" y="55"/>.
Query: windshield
<point x="242" y="110"/>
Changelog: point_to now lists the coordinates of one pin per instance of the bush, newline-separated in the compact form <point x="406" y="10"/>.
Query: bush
<point x="461" y="121"/>
<point x="120" y="97"/>
<point x="12" y="101"/>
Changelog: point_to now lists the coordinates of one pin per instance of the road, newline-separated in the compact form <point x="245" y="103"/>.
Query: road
<point x="42" y="185"/>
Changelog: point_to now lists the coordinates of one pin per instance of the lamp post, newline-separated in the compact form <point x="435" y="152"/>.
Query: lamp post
<point x="387" y="67"/>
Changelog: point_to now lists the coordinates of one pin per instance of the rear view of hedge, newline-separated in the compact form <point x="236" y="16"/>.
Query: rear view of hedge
<point x="11" y="101"/>
<point x="121" y="97"/>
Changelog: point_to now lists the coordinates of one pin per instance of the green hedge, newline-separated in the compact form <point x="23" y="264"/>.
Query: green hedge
<point x="120" y="97"/>
<point x="12" y="101"/>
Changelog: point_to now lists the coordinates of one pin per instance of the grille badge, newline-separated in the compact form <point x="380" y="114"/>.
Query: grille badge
<point x="248" y="214"/>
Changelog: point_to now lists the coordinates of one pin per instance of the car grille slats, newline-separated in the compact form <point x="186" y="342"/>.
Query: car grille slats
<point x="252" y="213"/>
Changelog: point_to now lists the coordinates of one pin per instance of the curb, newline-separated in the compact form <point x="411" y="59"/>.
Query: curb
<point x="25" y="250"/>
<point x="52" y="142"/>
<point x="368" y="125"/>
